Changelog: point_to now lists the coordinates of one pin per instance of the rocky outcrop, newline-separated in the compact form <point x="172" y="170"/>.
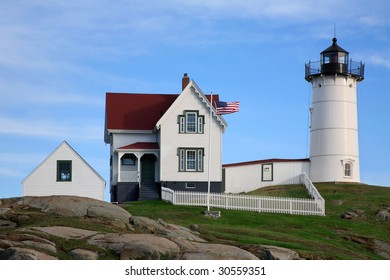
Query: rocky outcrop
<point x="75" y="206"/>
<point x="206" y="251"/>
<point x="353" y="214"/>
<point x="170" y="231"/>
<point x="131" y="237"/>
<point x="267" y="252"/>
<point x="62" y="232"/>
<point x="17" y="253"/>
<point x="384" y="213"/>
<point x="137" y="246"/>
<point x="83" y="254"/>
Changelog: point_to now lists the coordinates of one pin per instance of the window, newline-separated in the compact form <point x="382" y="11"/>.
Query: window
<point x="64" y="170"/>
<point x="128" y="159"/>
<point x="200" y="160"/>
<point x="347" y="170"/>
<point x="190" y="185"/>
<point x="267" y="173"/>
<point x="182" y="160"/>
<point x="200" y="124"/>
<point x="329" y="58"/>
<point x="191" y="159"/>
<point x="191" y="122"/>
<point x="182" y="124"/>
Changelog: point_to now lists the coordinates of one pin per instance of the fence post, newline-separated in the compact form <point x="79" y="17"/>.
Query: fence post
<point x="291" y="206"/>
<point x="226" y="201"/>
<point x="259" y="205"/>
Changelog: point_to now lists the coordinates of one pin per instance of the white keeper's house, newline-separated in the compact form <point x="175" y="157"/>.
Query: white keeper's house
<point x="163" y="140"/>
<point x="64" y="172"/>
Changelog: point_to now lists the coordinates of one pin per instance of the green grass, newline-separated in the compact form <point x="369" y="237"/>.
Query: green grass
<point x="313" y="237"/>
<point x="296" y="191"/>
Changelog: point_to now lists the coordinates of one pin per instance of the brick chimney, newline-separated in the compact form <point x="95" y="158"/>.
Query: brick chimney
<point x="185" y="81"/>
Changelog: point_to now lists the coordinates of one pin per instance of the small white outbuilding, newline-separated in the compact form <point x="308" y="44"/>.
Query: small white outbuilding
<point x="64" y="172"/>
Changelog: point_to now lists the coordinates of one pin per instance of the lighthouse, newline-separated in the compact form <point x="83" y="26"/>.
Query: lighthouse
<point x="334" y="148"/>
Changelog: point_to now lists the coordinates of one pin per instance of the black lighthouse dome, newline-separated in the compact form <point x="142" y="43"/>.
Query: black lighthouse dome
<point x="334" y="61"/>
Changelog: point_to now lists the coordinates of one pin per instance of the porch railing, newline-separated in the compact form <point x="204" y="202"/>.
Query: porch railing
<point x="129" y="176"/>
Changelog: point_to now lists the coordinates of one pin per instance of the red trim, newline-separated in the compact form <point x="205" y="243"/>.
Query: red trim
<point x="264" y="161"/>
<point x="141" y="146"/>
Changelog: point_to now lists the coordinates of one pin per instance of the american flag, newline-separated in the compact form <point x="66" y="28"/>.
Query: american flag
<point x="224" y="108"/>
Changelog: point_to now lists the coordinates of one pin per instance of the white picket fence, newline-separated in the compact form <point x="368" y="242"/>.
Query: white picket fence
<point x="299" y="206"/>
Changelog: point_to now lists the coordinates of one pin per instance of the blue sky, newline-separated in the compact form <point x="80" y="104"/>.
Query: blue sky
<point x="58" y="58"/>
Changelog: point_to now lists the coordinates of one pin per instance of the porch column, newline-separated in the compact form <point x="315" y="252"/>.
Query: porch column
<point x="120" y="155"/>
<point x="139" y="155"/>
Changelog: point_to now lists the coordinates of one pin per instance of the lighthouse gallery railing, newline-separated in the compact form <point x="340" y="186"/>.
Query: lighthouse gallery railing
<point x="355" y="69"/>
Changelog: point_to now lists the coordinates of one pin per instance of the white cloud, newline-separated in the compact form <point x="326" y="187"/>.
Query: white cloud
<point x="27" y="93"/>
<point x="76" y="129"/>
<point x="15" y="164"/>
<point x="8" y="171"/>
<point x="20" y="158"/>
<point x="381" y="58"/>
<point x="281" y="10"/>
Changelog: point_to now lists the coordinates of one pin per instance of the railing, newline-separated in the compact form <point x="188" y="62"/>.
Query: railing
<point x="355" y="69"/>
<point x="299" y="206"/>
<point x="129" y="176"/>
<point x="311" y="189"/>
<point x="313" y="192"/>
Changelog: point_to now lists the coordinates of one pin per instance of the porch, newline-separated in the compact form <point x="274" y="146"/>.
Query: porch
<point x="135" y="175"/>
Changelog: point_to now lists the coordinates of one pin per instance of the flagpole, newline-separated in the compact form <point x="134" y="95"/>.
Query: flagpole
<point x="209" y="156"/>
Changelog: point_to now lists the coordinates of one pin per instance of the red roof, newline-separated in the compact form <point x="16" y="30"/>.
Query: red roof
<point x="138" y="111"/>
<point x="264" y="161"/>
<point x="141" y="146"/>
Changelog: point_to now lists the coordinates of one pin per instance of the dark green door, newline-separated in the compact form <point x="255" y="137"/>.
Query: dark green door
<point x="148" y="168"/>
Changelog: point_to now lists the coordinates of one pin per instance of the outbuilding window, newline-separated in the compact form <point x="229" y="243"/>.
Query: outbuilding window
<point x="64" y="170"/>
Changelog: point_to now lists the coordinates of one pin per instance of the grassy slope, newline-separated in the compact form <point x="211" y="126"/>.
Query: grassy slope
<point x="313" y="237"/>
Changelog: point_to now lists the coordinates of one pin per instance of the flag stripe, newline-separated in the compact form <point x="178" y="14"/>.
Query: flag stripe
<point x="224" y="108"/>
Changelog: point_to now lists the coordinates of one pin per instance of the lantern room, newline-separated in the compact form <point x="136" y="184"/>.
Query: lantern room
<point x="334" y="60"/>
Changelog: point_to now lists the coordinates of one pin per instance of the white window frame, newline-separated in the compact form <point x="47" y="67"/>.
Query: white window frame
<point x="349" y="163"/>
<point x="347" y="170"/>
<point x="200" y="124"/>
<point x="191" y="123"/>
<point x="190" y="185"/>
<point x="191" y="159"/>
<point x="182" y="160"/>
<point x="182" y="124"/>
<point x="200" y="160"/>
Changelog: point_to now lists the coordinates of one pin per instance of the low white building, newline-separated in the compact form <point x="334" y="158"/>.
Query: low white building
<point x="252" y="175"/>
<point x="64" y="172"/>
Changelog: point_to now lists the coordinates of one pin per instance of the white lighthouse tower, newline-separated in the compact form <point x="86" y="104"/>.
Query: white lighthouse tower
<point x="334" y="149"/>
